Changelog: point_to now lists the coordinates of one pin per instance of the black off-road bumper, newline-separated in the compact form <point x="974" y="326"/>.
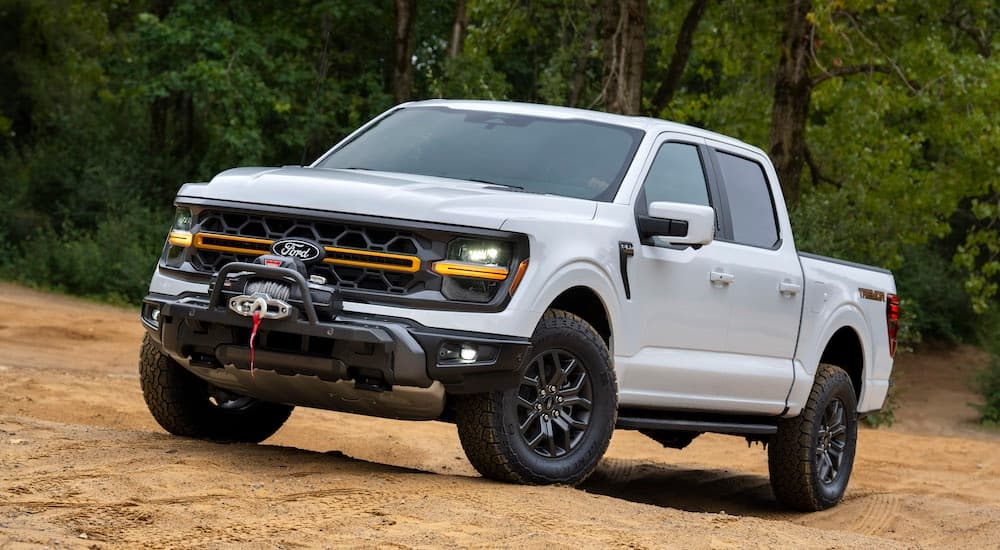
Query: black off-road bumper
<point x="318" y="341"/>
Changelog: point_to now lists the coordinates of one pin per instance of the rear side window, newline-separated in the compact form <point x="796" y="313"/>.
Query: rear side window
<point x="751" y="206"/>
<point x="676" y="176"/>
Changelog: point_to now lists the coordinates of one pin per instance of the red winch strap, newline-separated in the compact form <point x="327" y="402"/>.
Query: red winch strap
<point x="253" y="336"/>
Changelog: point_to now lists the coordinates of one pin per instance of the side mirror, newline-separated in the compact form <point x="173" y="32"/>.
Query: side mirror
<point x="678" y="223"/>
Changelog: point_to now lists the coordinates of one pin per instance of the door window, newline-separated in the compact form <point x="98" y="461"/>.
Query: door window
<point x="751" y="206"/>
<point x="676" y="176"/>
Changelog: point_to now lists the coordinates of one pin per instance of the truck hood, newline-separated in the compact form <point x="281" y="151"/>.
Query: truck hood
<point x="389" y="195"/>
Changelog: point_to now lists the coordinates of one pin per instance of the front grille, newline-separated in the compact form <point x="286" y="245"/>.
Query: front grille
<point x="370" y="258"/>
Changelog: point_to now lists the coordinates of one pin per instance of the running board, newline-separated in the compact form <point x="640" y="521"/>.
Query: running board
<point x="690" y="425"/>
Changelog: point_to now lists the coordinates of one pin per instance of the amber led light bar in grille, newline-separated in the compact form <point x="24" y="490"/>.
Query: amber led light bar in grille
<point x="228" y="243"/>
<point x="336" y="256"/>
<point x="460" y="269"/>
<point x="376" y="260"/>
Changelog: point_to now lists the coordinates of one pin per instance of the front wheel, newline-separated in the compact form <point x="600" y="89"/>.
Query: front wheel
<point x="554" y="427"/>
<point x="186" y="405"/>
<point x="811" y="456"/>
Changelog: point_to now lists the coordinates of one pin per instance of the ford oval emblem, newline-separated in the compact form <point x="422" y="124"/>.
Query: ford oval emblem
<point x="304" y="250"/>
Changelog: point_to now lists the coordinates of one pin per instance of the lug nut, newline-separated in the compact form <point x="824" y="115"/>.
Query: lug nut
<point x="545" y="417"/>
<point x="538" y="406"/>
<point x="559" y="399"/>
<point x="555" y="413"/>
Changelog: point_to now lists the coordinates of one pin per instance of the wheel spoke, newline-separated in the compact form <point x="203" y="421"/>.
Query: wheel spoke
<point x="576" y="424"/>
<point x="532" y="417"/>
<point x="576" y="401"/>
<point x="825" y="467"/>
<point x="566" y="433"/>
<point x="534" y="442"/>
<point x="549" y="437"/>
<point x="558" y="374"/>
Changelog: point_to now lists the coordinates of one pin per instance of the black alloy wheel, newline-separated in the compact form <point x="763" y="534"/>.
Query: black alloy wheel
<point x="554" y="403"/>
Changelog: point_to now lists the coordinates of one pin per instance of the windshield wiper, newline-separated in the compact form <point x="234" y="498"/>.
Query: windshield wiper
<point x="503" y="185"/>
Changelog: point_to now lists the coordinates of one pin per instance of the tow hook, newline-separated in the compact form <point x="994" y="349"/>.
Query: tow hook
<point x="269" y="308"/>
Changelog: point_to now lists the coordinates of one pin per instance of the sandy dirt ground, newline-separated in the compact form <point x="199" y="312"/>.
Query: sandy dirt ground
<point x="83" y="465"/>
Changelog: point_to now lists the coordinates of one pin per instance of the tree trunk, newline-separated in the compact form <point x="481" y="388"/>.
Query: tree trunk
<point x="623" y="34"/>
<point x="792" y="91"/>
<point x="682" y="52"/>
<point x="580" y="67"/>
<point x="402" y="66"/>
<point x="459" y="28"/>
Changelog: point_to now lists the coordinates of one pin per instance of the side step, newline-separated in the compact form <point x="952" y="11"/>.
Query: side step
<point x="637" y="419"/>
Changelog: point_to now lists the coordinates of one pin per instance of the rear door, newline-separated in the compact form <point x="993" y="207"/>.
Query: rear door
<point x="765" y="276"/>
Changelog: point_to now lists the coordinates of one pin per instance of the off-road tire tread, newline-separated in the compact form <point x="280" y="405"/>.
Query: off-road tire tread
<point x="790" y="452"/>
<point x="179" y="402"/>
<point x="479" y="417"/>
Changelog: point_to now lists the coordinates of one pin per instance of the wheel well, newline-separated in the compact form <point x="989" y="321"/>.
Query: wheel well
<point x="844" y="350"/>
<point x="583" y="302"/>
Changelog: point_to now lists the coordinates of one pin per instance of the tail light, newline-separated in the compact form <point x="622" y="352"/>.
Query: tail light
<point x="892" y="320"/>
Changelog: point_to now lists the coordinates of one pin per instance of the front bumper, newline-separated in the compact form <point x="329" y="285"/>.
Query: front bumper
<point x="317" y="344"/>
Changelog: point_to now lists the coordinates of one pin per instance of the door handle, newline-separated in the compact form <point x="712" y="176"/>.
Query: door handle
<point x="789" y="288"/>
<point x="721" y="278"/>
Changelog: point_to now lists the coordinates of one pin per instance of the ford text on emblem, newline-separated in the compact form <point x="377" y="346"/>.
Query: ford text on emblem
<point x="297" y="248"/>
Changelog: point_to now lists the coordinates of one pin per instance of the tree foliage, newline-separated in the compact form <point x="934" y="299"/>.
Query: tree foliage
<point x="891" y="135"/>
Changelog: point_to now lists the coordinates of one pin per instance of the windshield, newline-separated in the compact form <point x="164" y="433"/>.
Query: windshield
<point x="573" y="158"/>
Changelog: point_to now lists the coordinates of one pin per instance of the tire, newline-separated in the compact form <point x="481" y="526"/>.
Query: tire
<point x="811" y="457"/>
<point x="186" y="405"/>
<point x="556" y="426"/>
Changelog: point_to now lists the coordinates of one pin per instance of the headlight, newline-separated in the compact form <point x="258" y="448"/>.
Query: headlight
<point x="474" y="269"/>
<point x="180" y="237"/>
<point x="180" y="232"/>
<point x="480" y="251"/>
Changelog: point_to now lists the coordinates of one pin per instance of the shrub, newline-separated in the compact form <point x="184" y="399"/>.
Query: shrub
<point x="988" y="384"/>
<point x="112" y="262"/>
<point x="988" y="379"/>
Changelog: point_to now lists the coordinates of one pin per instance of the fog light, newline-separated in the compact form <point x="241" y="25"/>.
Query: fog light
<point x="469" y="353"/>
<point x="151" y="315"/>
<point x="464" y="354"/>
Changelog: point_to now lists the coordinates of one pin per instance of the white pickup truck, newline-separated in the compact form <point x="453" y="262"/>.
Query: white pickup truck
<point x="537" y="275"/>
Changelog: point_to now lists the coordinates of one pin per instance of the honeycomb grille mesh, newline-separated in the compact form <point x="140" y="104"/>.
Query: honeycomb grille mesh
<point x="335" y="234"/>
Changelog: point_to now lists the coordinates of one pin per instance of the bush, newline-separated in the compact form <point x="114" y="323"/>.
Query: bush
<point x="988" y="379"/>
<point x="112" y="262"/>
<point x="988" y="384"/>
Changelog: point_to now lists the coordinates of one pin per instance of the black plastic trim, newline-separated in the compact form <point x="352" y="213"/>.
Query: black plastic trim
<point x="845" y="262"/>
<point x="195" y="333"/>
<point x="645" y="419"/>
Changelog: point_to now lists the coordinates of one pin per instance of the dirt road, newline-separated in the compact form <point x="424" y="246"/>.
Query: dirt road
<point x="84" y="465"/>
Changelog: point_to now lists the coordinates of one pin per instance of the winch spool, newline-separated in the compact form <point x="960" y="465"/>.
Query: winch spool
<point x="274" y="289"/>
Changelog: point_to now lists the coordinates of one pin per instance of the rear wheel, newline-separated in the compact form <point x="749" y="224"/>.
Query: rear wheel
<point x="811" y="457"/>
<point x="556" y="425"/>
<point x="186" y="405"/>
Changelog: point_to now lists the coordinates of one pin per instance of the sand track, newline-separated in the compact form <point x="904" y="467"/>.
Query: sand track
<point x="84" y="465"/>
